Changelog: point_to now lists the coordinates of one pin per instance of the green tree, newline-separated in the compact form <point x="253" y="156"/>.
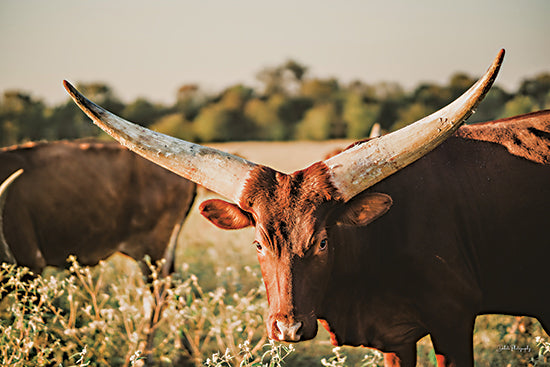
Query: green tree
<point x="359" y="116"/>
<point x="67" y="121"/>
<point x="318" y="123"/>
<point x="432" y="96"/>
<point x="410" y="114"/>
<point x="216" y="122"/>
<point x="22" y="118"/>
<point x="264" y="115"/>
<point x="365" y="91"/>
<point x="290" y="110"/>
<point x="537" y="88"/>
<point x="458" y="84"/>
<point x="519" y="105"/>
<point x="142" y="111"/>
<point x="176" y="125"/>
<point x="235" y="97"/>
<point x="297" y="69"/>
<point x="320" y="90"/>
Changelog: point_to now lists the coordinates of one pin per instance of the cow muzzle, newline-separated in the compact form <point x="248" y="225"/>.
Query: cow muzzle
<point x="287" y="331"/>
<point x="291" y="329"/>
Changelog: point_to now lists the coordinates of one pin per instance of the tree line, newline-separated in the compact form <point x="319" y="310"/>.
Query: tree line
<point x="290" y="104"/>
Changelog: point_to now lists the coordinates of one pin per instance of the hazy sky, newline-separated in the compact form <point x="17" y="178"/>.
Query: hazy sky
<point x="150" y="48"/>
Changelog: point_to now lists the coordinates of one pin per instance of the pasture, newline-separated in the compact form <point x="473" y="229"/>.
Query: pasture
<point x="213" y="311"/>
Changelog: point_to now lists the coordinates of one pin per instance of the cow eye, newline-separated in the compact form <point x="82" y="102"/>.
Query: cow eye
<point x="323" y="244"/>
<point x="258" y="246"/>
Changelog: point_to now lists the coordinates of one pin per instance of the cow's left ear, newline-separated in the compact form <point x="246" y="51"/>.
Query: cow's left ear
<point x="363" y="209"/>
<point x="225" y="215"/>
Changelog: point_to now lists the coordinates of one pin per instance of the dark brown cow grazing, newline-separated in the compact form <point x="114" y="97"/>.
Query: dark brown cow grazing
<point x="465" y="233"/>
<point x="89" y="199"/>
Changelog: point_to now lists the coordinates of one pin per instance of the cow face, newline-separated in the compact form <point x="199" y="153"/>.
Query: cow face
<point x="293" y="216"/>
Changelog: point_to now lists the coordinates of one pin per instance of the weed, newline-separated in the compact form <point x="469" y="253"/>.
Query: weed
<point x="101" y="317"/>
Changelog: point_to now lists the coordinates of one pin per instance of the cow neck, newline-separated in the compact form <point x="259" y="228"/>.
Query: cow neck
<point x="358" y="309"/>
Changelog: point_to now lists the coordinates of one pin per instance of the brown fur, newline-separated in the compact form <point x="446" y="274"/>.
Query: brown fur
<point x="526" y="136"/>
<point x="90" y="199"/>
<point x="274" y="198"/>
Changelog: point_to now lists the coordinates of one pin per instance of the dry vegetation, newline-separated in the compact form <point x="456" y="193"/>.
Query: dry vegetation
<point x="213" y="310"/>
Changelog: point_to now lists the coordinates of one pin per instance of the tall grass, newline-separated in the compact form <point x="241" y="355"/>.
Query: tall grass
<point x="100" y="317"/>
<point x="209" y="313"/>
<point x="54" y="319"/>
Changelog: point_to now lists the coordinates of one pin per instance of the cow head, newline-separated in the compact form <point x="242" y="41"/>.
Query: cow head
<point x="294" y="214"/>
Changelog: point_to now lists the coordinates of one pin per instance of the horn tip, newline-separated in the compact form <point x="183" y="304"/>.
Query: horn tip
<point x="501" y="54"/>
<point x="69" y="87"/>
<point x="86" y="105"/>
<point x="498" y="60"/>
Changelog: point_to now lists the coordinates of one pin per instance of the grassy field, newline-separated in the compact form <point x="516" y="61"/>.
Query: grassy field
<point x="212" y="312"/>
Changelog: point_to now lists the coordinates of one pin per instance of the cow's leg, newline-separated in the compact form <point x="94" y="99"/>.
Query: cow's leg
<point x="453" y="344"/>
<point x="148" y="244"/>
<point x="27" y="252"/>
<point x="441" y="361"/>
<point x="26" y="249"/>
<point x="391" y="360"/>
<point x="155" y="243"/>
<point x="170" y="253"/>
<point x="157" y="292"/>
<point x="403" y="357"/>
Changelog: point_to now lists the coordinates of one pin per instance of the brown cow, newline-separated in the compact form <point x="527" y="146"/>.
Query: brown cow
<point x="331" y="249"/>
<point x="89" y="199"/>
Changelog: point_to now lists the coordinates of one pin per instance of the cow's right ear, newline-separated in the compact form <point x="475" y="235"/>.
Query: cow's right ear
<point x="225" y="215"/>
<point x="363" y="209"/>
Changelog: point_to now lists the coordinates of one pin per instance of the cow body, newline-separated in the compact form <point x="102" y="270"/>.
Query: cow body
<point x="89" y="199"/>
<point x="466" y="235"/>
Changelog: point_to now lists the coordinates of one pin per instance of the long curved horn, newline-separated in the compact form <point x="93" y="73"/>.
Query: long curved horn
<point x="218" y="171"/>
<point x="375" y="131"/>
<point x="5" y="253"/>
<point x="360" y="167"/>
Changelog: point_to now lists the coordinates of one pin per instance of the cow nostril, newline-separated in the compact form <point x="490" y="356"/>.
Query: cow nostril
<point x="289" y="331"/>
<point x="298" y="332"/>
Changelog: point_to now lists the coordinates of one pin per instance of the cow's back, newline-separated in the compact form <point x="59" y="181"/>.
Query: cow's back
<point x="526" y="136"/>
